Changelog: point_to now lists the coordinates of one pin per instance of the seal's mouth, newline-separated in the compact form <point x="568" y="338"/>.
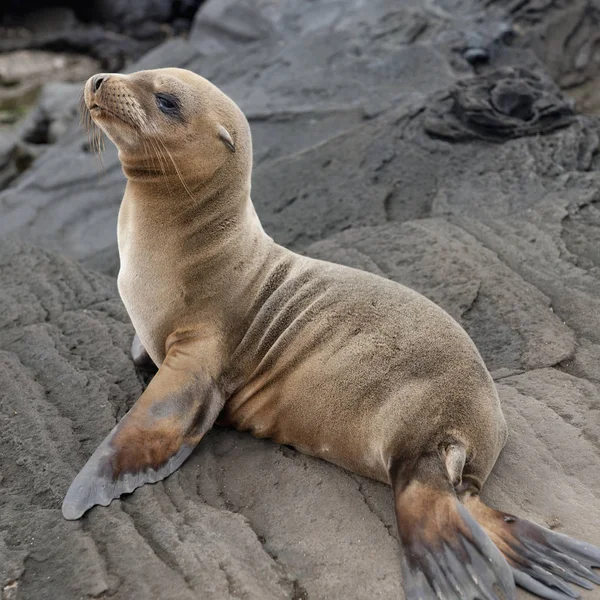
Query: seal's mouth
<point x="102" y="111"/>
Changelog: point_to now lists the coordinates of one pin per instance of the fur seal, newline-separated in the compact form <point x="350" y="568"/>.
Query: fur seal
<point x="342" y="364"/>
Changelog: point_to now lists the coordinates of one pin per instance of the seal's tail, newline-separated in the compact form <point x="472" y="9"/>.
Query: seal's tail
<point x="463" y="549"/>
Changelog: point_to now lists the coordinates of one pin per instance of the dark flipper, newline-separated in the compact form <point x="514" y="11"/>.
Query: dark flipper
<point x="153" y="439"/>
<point x="141" y="358"/>
<point x="543" y="561"/>
<point x="445" y="553"/>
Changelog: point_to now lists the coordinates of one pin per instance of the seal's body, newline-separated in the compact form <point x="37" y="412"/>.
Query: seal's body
<point x="342" y="364"/>
<point x="358" y="370"/>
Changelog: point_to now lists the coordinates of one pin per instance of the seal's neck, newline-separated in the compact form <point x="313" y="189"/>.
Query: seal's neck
<point x="188" y="259"/>
<point x="205" y="220"/>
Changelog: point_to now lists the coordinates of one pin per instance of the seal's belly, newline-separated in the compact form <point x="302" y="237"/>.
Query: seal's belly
<point x="356" y="407"/>
<point x="343" y="438"/>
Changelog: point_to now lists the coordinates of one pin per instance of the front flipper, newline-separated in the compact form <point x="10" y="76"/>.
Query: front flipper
<point x="445" y="553"/>
<point x="542" y="561"/>
<point x="153" y="439"/>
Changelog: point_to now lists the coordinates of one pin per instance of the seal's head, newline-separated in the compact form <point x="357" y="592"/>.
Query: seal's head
<point x="169" y="121"/>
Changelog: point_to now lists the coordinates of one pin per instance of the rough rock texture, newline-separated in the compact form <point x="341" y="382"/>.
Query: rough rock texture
<point x="564" y="34"/>
<point x="425" y="141"/>
<point x="508" y="103"/>
<point x="48" y="121"/>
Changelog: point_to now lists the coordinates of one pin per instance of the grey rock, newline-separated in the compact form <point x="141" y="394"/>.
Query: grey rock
<point x="322" y="82"/>
<point x="64" y="350"/>
<point x="225" y="25"/>
<point x="564" y="35"/>
<point x="8" y="170"/>
<point x="122" y="11"/>
<point x="51" y="119"/>
<point x="510" y="103"/>
<point x="113" y="31"/>
<point x="54" y="115"/>
<point x="59" y="108"/>
<point x="477" y="55"/>
<point x="377" y="146"/>
<point x="58" y="30"/>
<point x="142" y="12"/>
<point x="245" y="517"/>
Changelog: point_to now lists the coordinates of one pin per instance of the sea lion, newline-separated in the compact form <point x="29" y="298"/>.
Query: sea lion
<point x="340" y="363"/>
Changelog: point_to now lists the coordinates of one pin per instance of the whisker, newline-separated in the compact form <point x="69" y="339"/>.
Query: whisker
<point x="94" y="133"/>
<point x="84" y="114"/>
<point x="185" y="187"/>
<point x="179" y="175"/>
<point x="160" y="156"/>
<point x="100" y="147"/>
<point x="147" y="155"/>
<point x="152" y="156"/>
<point x="163" y="161"/>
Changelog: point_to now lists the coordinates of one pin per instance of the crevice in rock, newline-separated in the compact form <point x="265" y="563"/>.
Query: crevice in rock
<point x="285" y="204"/>
<point x="502" y="374"/>
<point x="230" y="582"/>
<point x="287" y="582"/>
<point x="523" y="274"/>
<point x="103" y="554"/>
<point x="369" y="505"/>
<point x="298" y="591"/>
<point x="291" y="584"/>
<point x="400" y="205"/>
<point x="580" y="232"/>
<point x="473" y="302"/>
<point x="156" y="548"/>
<point x="592" y="438"/>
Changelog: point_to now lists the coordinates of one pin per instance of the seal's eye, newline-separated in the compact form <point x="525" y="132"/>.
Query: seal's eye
<point x="167" y="104"/>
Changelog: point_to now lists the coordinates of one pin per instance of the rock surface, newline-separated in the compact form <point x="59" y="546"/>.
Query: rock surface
<point x="427" y="142"/>
<point x="110" y="31"/>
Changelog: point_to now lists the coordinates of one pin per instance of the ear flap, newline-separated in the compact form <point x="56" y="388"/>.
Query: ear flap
<point x="226" y="137"/>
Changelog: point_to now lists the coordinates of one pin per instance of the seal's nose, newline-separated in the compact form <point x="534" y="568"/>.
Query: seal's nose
<point x="97" y="81"/>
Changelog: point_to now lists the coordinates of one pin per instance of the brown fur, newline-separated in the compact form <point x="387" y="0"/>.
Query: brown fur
<point x="342" y="364"/>
<point x="171" y="412"/>
<point x="303" y="344"/>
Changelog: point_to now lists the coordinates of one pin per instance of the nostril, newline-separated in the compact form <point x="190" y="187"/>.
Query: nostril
<point x="97" y="82"/>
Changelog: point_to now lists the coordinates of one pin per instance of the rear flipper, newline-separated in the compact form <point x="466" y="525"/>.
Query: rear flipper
<point x="542" y="561"/>
<point x="445" y="553"/>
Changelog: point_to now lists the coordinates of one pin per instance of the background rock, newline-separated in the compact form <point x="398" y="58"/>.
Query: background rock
<point x="435" y="143"/>
<point x="111" y="31"/>
<point x="565" y="36"/>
